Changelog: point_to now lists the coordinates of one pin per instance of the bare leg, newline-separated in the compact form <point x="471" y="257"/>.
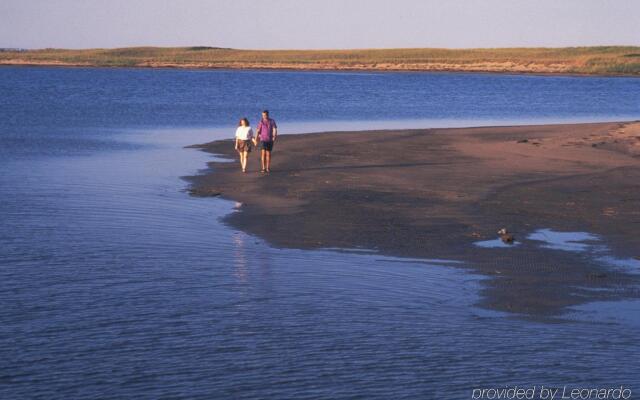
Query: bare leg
<point x="243" y="161"/>
<point x="268" y="161"/>
<point x="263" y="157"/>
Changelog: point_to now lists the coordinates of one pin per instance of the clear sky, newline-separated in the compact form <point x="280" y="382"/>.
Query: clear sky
<point x="311" y="24"/>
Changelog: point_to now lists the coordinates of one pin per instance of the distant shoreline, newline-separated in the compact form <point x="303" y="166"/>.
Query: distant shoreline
<point x="325" y="69"/>
<point x="583" y="61"/>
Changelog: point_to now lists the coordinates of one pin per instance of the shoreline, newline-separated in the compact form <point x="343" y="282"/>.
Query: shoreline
<point x="578" y="61"/>
<point x="433" y="193"/>
<point x="53" y="64"/>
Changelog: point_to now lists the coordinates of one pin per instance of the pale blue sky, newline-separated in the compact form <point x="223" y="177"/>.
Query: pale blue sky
<point x="288" y="24"/>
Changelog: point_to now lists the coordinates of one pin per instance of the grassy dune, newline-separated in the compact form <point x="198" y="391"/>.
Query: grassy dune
<point x="571" y="60"/>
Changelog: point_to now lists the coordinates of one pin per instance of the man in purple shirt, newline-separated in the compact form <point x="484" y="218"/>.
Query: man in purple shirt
<point x="266" y="132"/>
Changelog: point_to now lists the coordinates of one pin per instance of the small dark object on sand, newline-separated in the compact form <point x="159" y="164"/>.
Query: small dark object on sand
<point x="505" y="236"/>
<point x="523" y="141"/>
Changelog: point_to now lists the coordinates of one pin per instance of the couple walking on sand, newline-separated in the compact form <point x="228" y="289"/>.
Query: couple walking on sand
<point x="266" y="134"/>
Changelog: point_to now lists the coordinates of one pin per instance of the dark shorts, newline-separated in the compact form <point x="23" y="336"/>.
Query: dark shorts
<point x="267" y="146"/>
<point x="244" y="145"/>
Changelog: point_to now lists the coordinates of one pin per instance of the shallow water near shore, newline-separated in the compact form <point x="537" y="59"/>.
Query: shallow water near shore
<point x="117" y="284"/>
<point x="588" y="244"/>
<point x="158" y="298"/>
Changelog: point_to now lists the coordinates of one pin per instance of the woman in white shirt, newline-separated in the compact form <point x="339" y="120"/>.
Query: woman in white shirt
<point x="244" y="135"/>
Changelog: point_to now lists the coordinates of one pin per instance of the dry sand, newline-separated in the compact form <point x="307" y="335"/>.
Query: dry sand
<point x="433" y="193"/>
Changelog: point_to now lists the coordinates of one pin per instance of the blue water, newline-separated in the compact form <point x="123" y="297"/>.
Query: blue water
<point x="69" y="111"/>
<point x="116" y="284"/>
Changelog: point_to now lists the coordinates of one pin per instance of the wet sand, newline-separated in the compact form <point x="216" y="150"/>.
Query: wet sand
<point x="433" y="193"/>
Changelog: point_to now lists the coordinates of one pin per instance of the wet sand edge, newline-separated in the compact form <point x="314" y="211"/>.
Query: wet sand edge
<point x="432" y="193"/>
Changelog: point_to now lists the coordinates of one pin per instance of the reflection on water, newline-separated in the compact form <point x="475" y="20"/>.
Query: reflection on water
<point x="121" y="283"/>
<point x="240" y="257"/>
<point x="42" y="110"/>
<point x="567" y="241"/>
<point x="587" y="244"/>
<point x="616" y="313"/>
<point x="117" y="284"/>
<point x="628" y="265"/>
<point x="495" y="244"/>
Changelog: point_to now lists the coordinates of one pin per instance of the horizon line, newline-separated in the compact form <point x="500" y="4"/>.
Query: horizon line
<point x="310" y="49"/>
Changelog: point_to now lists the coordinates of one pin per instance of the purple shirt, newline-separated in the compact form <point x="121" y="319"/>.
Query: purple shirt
<point x="265" y="129"/>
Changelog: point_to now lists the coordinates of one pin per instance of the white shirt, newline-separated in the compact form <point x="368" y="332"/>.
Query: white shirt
<point x="244" y="133"/>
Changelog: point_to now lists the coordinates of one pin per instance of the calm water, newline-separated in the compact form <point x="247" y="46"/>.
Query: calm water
<point x="115" y="284"/>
